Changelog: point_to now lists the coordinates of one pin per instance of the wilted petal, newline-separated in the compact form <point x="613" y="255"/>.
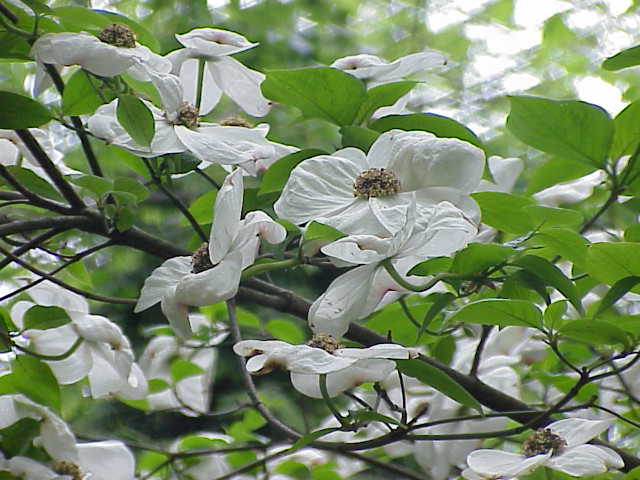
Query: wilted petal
<point x="108" y="460"/>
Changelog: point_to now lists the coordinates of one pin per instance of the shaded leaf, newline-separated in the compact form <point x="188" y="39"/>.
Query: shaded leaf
<point x="501" y="312"/>
<point x="18" y="112"/>
<point x="136" y="118"/>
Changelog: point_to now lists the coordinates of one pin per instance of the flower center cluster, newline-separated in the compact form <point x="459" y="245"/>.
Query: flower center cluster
<point x="542" y="441"/>
<point x="235" y="122"/>
<point x="325" y="342"/>
<point x="187" y="115"/>
<point x="376" y="182"/>
<point x="200" y="260"/>
<point x="68" y="468"/>
<point x="118" y="35"/>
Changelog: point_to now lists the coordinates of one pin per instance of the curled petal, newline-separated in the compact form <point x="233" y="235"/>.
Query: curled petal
<point x="214" y="42"/>
<point x="162" y="280"/>
<point x="226" y="220"/>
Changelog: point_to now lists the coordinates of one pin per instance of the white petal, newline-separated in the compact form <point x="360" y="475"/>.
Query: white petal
<point x="188" y="72"/>
<point x="247" y="348"/>
<point x="9" y="412"/>
<point x="383" y="350"/>
<point x="359" y="249"/>
<point x="211" y="286"/>
<point x="215" y="42"/>
<point x="505" y="464"/>
<point x="505" y="172"/>
<point x="58" y="439"/>
<point x="410" y="64"/>
<point x="170" y="90"/>
<point x="163" y="279"/>
<point x="344" y="301"/>
<point x="576" y="431"/>
<point x="108" y="460"/>
<point x="320" y="187"/>
<point x="177" y="313"/>
<point x="29" y="469"/>
<point x="95" y="328"/>
<point x="585" y="460"/>
<point x="241" y="84"/>
<point x="260" y="223"/>
<point x="392" y="211"/>
<point x="226" y="220"/>
<point x="49" y="294"/>
<point x="56" y="341"/>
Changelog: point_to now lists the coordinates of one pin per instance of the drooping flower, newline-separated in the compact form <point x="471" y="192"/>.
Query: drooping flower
<point x="360" y="291"/>
<point x="345" y="367"/>
<point x="561" y="446"/>
<point x="213" y="273"/>
<point x="104" y="354"/>
<point x="370" y="194"/>
<point x="113" y="52"/>
<point x="222" y="73"/>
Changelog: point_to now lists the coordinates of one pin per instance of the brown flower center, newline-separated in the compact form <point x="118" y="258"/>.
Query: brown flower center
<point x="68" y="468"/>
<point x="187" y="115"/>
<point x="200" y="260"/>
<point x="325" y="342"/>
<point x="235" y="122"/>
<point x="118" y="35"/>
<point x="542" y="441"/>
<point x="376" y="182"/>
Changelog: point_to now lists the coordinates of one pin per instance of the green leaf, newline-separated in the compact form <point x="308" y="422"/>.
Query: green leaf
<point x="285" y="330"/>
<point x="37" y="6"/>
<point x="132" y="186"/>
<point x="136" y="118"/>
<point x="14" y="47"/>
<point x="627" y="131"/>
<point x="571" y="129"/>
<point x="34" y="379"/>
<point x="366" y="416"/>
<point x="181" y="368"/>
<point x="311" y="437"/>
<point x="554" y="313"/>
<point x="323" y="92"/>
<point x="382" y="96"/>
<point x="553" y="216"/>
<point x="611" y="262"/>
<point x="97" y="185"/>
<point x="358" y="137"/>
<point x="431" y="266"/>
<point x="202" y="207"/>
<point x="18" y="112"/>
<point x="316" y="231"/>
<point x="556" y="170"/>
<point x="81" y="94"/>
<point x="157" y="385"/>
<point x="616" y="292"/>
<point x="42" y="318"/>
<point x="551" y="275"/>
<point x="441" y="301"/>
<point x="276" y="176"/>
<point x="33" y="182"/>
<point x="566" y="243"/>
<point x="503" y="211"/>
<point x="477" y="257"/>
<point x="125" y="217"/>
<point x="439" y="125"/>
<point x="439" y="380"/>
<point x="501" y="312"/>
<point x="626" y="58"/>
<point x="632" y="233"/>
<point x="595" y="332"/>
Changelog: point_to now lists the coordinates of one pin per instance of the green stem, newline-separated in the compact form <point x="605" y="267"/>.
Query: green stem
<point x="201" y="67"/>
<point x="62" y="356"/>
<point x="388" y="266"/>
<point x="267" y="267"/>
<point x="325" y="396"/>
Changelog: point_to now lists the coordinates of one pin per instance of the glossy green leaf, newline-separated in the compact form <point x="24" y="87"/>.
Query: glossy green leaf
<point x="319" y="231"/>
<point x="99" y="186"/>
<point x="553" y="216"/>
<point x="571" y="129"/>
<point x="439" y="380"/>
<point x="566" y="243"/>
<point x="431" y="266"/>
<point x="358" y="137"/>
<point x="477" y="257"/>
<point x="557" y="170"/>
<point x="136" y="118"/>
<point x="501" y="312"/>
<point x="382" y="96"/>
<point x="19" y="112"/>
<point x="439" y="125"/>
<point x="35" y="183"/>
<point x="181" y="368"/>
<point x="202" y="207"/>
<point x="14" y="47"/>
<point x="616" y="292"/>
<point x="553" y="314"/>
<point x="42" y="318"/>
<point x="132" y="186"/>
<point x="627" y="131"/>
<point x="34" y="379"/>
<point x="157" y="385"/>
<point x="626" y="58"/>
<point x="552" y="276"/>
<point x="285" y="330"/>
<point x="81" y="94"/>
<point x="611" y="262"/>
<point x="276" y="176"/>
<point x="595" y="332"/>
<point x="319" y="92"/>
<point x="503" y="211"/>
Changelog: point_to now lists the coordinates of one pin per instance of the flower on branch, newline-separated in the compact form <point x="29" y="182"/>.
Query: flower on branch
<point x="213" y="273"/>
<point x="222" y="73"/>
<point x="370" y="194"/>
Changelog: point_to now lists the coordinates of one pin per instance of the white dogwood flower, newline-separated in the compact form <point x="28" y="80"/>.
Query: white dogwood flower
<point x="14" y="152"/>
<point x="560" y="446"/>
<point x="345" y="367"/>
<point x="222" y="73"/>
<point x="213" y="273"/>
<point x="370" y="194"/>
<point x="362" y="290"/>
<point x="113" y="52"/>
<point x="103" y="355"/>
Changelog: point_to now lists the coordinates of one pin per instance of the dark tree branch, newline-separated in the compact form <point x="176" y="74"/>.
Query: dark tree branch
<point x="33" y="243"/>
<point x="26" y="194"/>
